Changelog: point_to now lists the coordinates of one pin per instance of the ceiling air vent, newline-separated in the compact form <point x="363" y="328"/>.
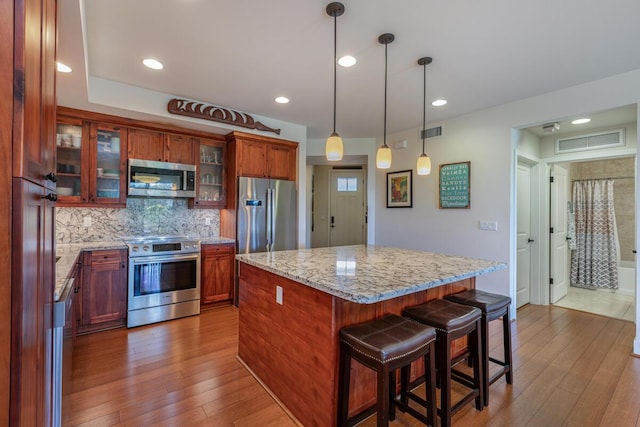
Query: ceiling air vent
<point x="431" y="133"/>
<point x="591" y="141"/>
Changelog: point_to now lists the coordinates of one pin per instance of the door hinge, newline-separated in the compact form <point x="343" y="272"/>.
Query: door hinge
<point x="551" y="230"/>
<point x="551" y="280"/>
<point x="551" y="179"/>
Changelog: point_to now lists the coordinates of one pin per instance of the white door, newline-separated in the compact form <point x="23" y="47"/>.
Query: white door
<point x="559" y="256"/>
<point x="347" y="209"/>
<point x="523" y="235"/>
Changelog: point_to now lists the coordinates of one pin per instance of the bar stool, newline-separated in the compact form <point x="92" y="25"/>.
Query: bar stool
<point x="385" y="345"/>
<point x="452" y="321"/>
<point x="493" y="306"/>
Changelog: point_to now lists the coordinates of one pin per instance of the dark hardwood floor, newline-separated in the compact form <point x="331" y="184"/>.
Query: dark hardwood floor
<point x="571" y="368"/>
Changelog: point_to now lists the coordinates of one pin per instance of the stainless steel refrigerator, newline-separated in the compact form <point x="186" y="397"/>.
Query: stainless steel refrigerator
<point x="267" y="219"/>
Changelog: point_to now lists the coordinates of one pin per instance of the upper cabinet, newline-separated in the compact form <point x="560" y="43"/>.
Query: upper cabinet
<point x="90" y="163"/>
<point x="263" y="157"/>
<point x="211" y="174"/>
<point x="146" y="145"/>
<point x="150" y="145"/>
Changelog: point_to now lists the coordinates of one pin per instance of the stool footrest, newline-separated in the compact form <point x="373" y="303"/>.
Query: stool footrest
<point x="466" y="400"/>
<point x="406" y="408"/>
<point x="462" y="378"/>
<point x="357" y="418"/>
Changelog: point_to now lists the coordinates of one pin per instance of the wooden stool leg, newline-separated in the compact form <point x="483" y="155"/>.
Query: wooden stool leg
<point x="430" y="389"/>
<point x="478" y="377"/>
<point x="506" y="330"/>
<point x="484" y="355"/>
<point x="404" y="383"/>
<point x="344" y="377"/>
<point x="392" y="395"/>
<point x="444" y="373"/>
<point x="383" y="394"/>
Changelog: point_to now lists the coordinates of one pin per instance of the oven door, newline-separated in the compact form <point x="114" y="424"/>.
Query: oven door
<point x="161" y="280"/>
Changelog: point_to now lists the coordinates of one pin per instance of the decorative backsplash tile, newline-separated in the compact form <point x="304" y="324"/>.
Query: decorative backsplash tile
<point x="141" y="217"/>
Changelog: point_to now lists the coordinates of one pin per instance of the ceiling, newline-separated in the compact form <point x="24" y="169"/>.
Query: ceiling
<point x="241" y="54"/>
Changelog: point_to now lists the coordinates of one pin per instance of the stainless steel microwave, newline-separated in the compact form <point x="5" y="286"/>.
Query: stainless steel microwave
<point x="161" y="179"/>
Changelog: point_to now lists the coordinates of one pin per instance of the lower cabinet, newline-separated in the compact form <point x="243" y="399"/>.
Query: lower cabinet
<point x="217" y="273"/>
<point x="103" y="290"/>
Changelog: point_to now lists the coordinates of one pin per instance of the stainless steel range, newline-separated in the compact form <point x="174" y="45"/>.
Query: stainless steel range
<point x="164" y="278"/>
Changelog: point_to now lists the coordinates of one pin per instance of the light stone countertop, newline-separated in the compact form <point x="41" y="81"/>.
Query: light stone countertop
<point x="69" y="253"/>
<point x="369" y="274"/>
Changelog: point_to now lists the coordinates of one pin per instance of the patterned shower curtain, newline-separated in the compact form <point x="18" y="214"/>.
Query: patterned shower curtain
<point x="594" y="262"/>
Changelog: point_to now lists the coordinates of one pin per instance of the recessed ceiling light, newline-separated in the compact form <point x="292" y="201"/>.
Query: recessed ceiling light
<point x="580" y="121"/>
<point x="154" y="64"/>
<point x="347" y="61"/>
<point x="282" y="100"/>
<point x="62" y="67"/>
<point x="439" y="102"/>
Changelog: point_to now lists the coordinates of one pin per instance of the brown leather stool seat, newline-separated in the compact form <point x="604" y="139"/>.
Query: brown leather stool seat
<point x="385" y="345"/>
<point x="493" y="306"/>
<point x="453" y="321"/>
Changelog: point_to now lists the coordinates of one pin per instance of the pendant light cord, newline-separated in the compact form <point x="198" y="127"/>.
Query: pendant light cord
<point x="384" y="137"/>
<point x="335" y="59"/>
<point x="424" y="104"/>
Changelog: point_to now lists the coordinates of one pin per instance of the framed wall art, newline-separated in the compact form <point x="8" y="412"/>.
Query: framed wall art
<point x="399" y="191"/>
<point x="455" y="186"/>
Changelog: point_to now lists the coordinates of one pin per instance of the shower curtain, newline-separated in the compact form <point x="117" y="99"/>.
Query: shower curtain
<point x="594" y="262"/>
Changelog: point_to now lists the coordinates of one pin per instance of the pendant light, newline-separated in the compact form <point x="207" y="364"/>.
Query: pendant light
<point x="424" y="162"/>
<point x="333" y="147"/>
<point x="383" y="156"/>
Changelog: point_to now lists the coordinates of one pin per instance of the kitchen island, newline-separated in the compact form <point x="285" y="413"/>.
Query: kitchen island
<point x="294" y="303"/>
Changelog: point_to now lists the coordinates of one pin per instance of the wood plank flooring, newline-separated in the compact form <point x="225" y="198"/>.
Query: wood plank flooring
<point x="571" y="369"/>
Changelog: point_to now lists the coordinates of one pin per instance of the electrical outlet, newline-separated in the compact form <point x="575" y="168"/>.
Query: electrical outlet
<point x="488" y="225"/>
<point x="87" y="221"/>
<point x="279" y="294"/>
<point x="207" y="221"/>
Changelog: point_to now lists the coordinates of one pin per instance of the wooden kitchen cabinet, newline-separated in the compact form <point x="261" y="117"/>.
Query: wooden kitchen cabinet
<point x="263" y="157"/>
<point x="91" y="163"/>
<point x="217" y="274"/>
<point x="103" y="290"/>
<point x="211" y="183"/>
<point x="160" y="147"/>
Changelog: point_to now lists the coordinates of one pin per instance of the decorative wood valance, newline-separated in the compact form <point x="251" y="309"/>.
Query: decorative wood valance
<point x="214" y="113"/>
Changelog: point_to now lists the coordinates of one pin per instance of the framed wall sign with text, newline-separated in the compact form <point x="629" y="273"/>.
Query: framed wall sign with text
<point x="455" y="185"/>
<point x="399" y="193"/>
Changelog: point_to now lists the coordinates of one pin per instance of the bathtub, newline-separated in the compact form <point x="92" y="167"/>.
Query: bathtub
<point x="626" y="277"/>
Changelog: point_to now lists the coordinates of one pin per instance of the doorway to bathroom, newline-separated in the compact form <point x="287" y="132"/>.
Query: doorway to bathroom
<point x="570" y="154"/>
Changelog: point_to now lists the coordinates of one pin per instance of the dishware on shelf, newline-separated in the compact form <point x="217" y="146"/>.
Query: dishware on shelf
<point x="100" y="171"/>
<point x="115" y="144"/>
<point x="65" y="191"/>
<point x="76" y="140"/>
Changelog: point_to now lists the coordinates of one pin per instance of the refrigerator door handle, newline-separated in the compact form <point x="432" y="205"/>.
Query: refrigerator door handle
<point x="269" y="219"/>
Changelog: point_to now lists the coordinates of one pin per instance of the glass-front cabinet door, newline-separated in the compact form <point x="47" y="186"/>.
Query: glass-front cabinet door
<point x="70" y="139"/>
<point x="108" y="165"/>
<point x="210" y="190"/>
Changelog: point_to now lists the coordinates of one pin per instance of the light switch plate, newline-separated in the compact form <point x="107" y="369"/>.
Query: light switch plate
<point x="207" y="221"/>
<point x="87" y="221"/>
<point x="488" y="225"/>
<point x="279" y="294"/>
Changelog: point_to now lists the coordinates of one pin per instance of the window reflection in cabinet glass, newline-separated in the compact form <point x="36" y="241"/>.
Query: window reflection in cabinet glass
<point x="68" y="167"/>
<point x="108" y="163"/>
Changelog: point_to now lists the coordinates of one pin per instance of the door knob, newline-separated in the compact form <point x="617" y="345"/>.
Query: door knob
<point x="530" y="240"/>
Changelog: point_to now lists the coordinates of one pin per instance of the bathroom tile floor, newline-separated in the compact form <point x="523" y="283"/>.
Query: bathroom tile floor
<point x="603" y="302"/>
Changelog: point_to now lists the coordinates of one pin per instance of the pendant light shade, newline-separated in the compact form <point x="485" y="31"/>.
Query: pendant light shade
<point x="383" y="157"/>
<point x="424" y="162"/>
<point x="334" y="148"/>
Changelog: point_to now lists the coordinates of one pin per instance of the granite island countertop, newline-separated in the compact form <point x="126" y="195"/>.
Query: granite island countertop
<point x="69" y="253"/>
<point x="368" y="274"/>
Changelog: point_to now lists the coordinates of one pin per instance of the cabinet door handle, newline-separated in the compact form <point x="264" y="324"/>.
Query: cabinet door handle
<point x="123" y="265"/>
<point x="51" y="197"/>
<point x="51" y="176"/>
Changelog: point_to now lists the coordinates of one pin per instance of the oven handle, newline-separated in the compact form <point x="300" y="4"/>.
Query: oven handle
<point x="160" y="258"/>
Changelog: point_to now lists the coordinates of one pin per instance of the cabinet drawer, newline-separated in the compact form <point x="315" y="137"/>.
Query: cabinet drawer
<point x="101" y="257"/>
<point x="216" y="249"/>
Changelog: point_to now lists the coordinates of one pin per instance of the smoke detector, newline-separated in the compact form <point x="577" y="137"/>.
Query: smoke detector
<point x="550" y="127"/>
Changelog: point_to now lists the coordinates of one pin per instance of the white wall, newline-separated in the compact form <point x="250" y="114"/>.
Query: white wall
<point x="485" y="139"/>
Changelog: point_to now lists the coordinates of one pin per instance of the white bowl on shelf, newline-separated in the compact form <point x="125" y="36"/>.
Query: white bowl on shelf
<point x="65" y="191"/>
